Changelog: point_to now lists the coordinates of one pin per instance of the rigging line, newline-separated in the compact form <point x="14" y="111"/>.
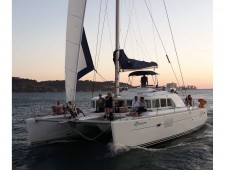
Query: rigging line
<point x="106" y="6"/>
<point x="130" y="32"/>
<point x="101" y="76"/>
<point x="162" y="43"/>
<point x="142" y="42"/>
<point x="94" y="79"/>
<point x="130" y="16"/>
<point x="155" y="26"/>
<point x="176" y="78"/>
<point x="88" y="138"/>
<point x="156" y="54"/>
<point x="110" y="32"/>
<point x="131" y="42"/>
<point x="174" y="72"/>
<point x="98" y="30"/>
<point x="136" y="41"/>
<point x="174" y="44"/>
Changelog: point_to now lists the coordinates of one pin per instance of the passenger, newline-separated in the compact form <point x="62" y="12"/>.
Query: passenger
<point x="117" y="106"/>
<point x="100" y="104"/>
<point x="79" y="113"/>
<point x="108" y="104"/>
<point x="188" y="100"/>
<point x="54" y="109"/>
<point x="135" y="103"/>
<point x="123" y="107"/>
<point x="135" y="106"/>
<point x="57" y="109"/>
<point x="143" y="106"/>
<point x="202" y="103"/>
<point x="144" y="81"/>
<point x="70" y="109"/>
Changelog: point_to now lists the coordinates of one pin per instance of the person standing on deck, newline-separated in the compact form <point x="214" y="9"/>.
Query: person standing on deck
<point x="109" y="107"/>
<point x="144" y="81"/>
<point x="100" y="104"/>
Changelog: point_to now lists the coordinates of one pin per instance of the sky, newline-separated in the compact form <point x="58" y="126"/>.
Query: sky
<point x="39" y="35"/>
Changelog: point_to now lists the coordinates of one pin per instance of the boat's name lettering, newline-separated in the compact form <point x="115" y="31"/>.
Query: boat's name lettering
<point x="139" y="123"/>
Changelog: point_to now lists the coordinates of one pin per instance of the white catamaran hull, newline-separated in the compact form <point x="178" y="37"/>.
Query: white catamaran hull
<point x="47" y="130"/>
<point x="152" y="130"/>
<point x="41" y="129"/>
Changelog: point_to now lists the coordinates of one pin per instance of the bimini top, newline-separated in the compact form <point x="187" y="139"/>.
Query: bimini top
<point x="141" y="73"/>
<point x="126" y="63"/>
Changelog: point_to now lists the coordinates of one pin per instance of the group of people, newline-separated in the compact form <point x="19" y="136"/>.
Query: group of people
<point x="105" y="105"/>
<point x="138" y="106"/>
<point x="173" y="91"/>
<point x="59" y="109"/>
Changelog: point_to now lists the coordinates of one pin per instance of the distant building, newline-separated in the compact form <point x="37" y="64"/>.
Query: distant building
<point x="171" y="85"/>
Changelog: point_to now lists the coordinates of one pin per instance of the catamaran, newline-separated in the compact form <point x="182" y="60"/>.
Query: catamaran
<point x="166" y="115"/>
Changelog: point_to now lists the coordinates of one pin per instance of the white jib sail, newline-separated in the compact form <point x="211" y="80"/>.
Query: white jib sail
<point x="76" y="12"/>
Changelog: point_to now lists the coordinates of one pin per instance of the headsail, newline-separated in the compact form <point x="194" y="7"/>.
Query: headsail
<point x="74" y="52"/>
<point x="126" y="63"/>
<point x="85" y="60"/>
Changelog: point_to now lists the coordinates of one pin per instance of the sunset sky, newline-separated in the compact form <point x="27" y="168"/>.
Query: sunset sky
<point x="39" y="33"/>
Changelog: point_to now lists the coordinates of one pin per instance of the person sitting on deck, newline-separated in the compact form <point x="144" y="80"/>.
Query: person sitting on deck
<point x="123" y="107"/>
<point x="143" y="106"/>
<point x="135" y="106"/>
<point x="117" y="105"/>
<point x="188" y="100"/>
<point x="144" y="81"/>
<point x="57" y="110"/>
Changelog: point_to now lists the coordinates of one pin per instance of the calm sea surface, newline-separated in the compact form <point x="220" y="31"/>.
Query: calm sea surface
<point x="194" y="151"/>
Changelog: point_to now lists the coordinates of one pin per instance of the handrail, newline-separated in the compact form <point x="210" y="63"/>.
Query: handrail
<point x="38" y="110"/>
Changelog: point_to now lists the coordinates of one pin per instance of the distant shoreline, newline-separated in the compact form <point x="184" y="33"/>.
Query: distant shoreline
<point x="22" y="85"/>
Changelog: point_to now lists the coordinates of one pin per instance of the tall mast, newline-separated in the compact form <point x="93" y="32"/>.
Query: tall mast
<point x="117" y="47"/>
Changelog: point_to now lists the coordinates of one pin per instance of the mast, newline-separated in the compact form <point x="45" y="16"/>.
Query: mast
<point x="117" y="47"/>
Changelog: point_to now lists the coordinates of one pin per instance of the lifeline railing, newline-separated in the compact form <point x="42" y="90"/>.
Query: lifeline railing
<point x="37" y="110"/>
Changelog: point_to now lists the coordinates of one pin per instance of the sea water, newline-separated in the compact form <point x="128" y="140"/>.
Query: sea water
<point x="193" y="151"/>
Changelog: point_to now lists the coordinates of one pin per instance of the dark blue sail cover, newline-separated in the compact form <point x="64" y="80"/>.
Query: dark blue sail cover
<point x="87" y="55"/>
<point x="141" y="73"/>
<point x="126" y="63"/>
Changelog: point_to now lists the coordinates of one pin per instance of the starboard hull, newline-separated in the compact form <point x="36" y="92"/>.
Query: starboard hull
<point x="153" y="130"/>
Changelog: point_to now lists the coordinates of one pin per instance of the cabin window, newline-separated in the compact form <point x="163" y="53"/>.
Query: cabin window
<point x="163" y="102"/>
<point x="148" y="103"/>
<point x="169" y="102"/>
<point x="129" y="103"/>
<point x="155" y="103"/>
